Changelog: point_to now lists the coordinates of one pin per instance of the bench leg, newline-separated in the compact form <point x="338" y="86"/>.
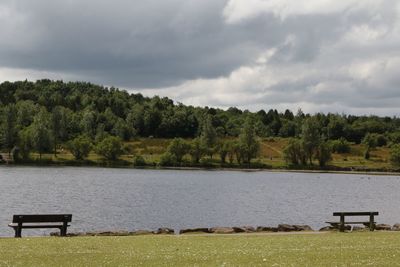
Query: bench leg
<point x="371" y="223"/>
<point x="63" y="229"/>
<point x="341" y="227"/>
<point x="63" y="232"/>
<point x="18" y="231"/>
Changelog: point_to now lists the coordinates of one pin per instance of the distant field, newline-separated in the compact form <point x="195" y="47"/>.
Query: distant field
<point x="271" y="154"/>
<point x="331" y="249"/>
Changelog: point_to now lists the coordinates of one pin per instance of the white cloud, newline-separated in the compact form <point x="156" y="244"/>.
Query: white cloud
<point x="238" y="10"/>
<point x="14" y="74"/>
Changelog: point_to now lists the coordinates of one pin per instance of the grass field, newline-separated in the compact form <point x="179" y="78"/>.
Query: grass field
<point x="330" y="249"/>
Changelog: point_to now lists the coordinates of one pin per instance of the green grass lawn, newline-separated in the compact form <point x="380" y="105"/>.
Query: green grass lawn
<point x="331" y="249"/>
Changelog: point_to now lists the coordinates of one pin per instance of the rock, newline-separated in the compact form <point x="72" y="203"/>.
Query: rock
<point x="90" y="233"/>
<point x="109" y="233"/>
<point x="286" y="228"/>
<point x="120" y="233"/>
<point x="244" y="229"/>
<point x="396" y="227"/>
<point x="302" y="228"/>
<point x="383" y="227"/>
<point x="164" y="231"/>
<point x="266" y="229"/>
<point x="222" y="230"/>
<point x="335" y="226"/>
<point x="141" y="232"/>
<point x="194" y="230"/>
<point x="68" y="234"/>
<point x="358" y="228"/>
<point x="327" y="228"/>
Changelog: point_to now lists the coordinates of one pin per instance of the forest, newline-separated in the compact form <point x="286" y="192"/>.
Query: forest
<point x="52" y="116"/>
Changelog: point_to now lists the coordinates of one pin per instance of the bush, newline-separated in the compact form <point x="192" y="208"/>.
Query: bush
<point x="179" y="148"/>
<point x="381" y="140"/>
<point x="294" y="153"/>
<point x="139" y="161"/>
<point x="367" y="154"/>
<point x="110" y="148"/>
<point x="375" y="140"/>
<point x="196" y="150"/>
<point x="206" y="163"/>
<point x="167" y="159"/>
<point x="395" y="155"/>
<point x="80" y="147"/>
<point x="394" y="137"/>
<point x="370" y="140"/>
<point x="340" y="146"/>
<point x="323" y="154"/>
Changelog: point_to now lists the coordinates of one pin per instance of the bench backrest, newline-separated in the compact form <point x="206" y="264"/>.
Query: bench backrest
<point x="361" y="213"/>
<point x="38" y="218"/>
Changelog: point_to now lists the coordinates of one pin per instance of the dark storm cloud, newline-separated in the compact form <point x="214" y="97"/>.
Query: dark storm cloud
<point x="319" y="55"/>
<point x="133" y="43"/>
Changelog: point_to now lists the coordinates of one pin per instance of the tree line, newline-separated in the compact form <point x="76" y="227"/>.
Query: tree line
<point x="41" y="116"/>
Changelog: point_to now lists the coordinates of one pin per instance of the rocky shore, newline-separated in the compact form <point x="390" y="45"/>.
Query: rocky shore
<point x="231" y="230"/>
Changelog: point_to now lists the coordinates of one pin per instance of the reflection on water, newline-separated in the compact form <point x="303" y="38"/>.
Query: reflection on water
<point x="128" y="199"/>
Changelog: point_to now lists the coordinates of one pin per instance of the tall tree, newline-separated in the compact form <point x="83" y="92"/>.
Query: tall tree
<point x="110" y="148"/>
<point x="248" y="142"/>
<point x="179" y="148"/>
<point x="41" y="134"/>
<point x="310" y="137"/>
<point x="323" y="153"/>
<point x="208" y="135"/>
<point x="196" y="150"/>
<point x="9" y="131"/>
<point x="80" y="147"/>
<point x="57" y="126"/>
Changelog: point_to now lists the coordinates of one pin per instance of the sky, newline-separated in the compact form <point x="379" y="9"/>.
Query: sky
<point x="318" y="55"/>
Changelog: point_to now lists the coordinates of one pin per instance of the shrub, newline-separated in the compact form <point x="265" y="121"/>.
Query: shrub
<point x="375" y="140"/>
<point x="110" y="148"/>
<point x="395" y="155"/>
<point x="341" y="146"/>
<point x="179" y="148"/>
<point x="139" y="161"/>
<point x="80" y="147"/>
<point x="196" y="150"/>
<point x="167" y="159"/>
<point x="323" y="154"/>
<point x="206" y="162"/>
<point x="394" y="137"/>
<point x="381" y="140"/>
<point x="294" y="153"/>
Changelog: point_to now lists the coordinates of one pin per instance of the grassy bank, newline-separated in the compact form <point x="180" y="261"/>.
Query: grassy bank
<point x="270" y="157"/>
<point x="331" y="249"/>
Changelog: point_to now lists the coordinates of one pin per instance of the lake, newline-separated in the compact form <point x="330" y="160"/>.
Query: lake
<point x="128" y="199"/>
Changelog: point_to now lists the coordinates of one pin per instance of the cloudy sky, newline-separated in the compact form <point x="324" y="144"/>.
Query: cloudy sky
<point x="318" y="55"/>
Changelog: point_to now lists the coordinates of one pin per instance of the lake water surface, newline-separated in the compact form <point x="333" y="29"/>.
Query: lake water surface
<point x="128" y="199"/>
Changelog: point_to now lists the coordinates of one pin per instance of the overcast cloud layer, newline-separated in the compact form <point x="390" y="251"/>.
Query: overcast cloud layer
<point x="318" y="55"/>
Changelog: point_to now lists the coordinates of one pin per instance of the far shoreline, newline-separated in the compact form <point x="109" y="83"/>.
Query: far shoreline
<point x="221" y="169"/>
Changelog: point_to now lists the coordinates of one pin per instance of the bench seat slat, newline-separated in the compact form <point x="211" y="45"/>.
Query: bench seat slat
<point x="363" y="213"/>
<point x="39" y="226"/>
<point x="37" y="218"/>
<point x="350" y="222"/>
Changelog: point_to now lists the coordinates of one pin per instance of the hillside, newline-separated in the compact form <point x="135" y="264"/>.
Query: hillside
<point x="44" y="121"/>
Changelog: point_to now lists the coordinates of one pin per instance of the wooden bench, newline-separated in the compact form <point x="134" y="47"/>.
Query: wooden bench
<point x="341" y="224"/>
<point x="36" y="221"/>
